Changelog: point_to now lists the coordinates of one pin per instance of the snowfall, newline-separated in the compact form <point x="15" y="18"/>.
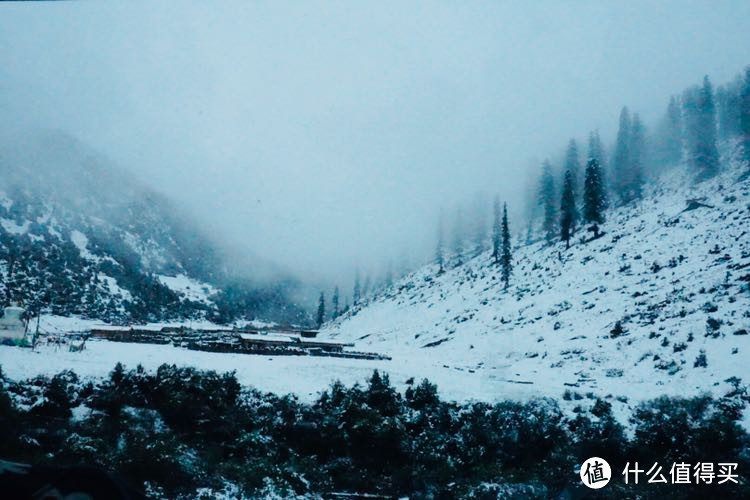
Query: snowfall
<point x="675" y="279"/>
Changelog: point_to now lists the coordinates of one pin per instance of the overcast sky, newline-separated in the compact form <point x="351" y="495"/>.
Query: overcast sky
<point x="325" y="135"/>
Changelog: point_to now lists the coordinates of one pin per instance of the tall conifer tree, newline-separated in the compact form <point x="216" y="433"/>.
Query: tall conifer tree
<point x="573" y="163"/>
<point x="596" y="149"/>
<point x="744" y="121"/>
<point x="480" y="224"/>
<point x="567" y="209"/>
<point x="335" y="303"/>
<point x="548" y="200"/>
<point x="357" y="295"/>
<point x="593" y="196"/>
<point x="439" y="250"/>
<point x="669" y="134"/>
<point x="496" y="231"/>
<point x="621" y="160"/>
<point x="366" y="286"/>
<point x="634" y="187"/>
<point x="700" y="130"/>
<point x="321" y="309"/>
<point x="458" y="238"/>
<point x="506" y="257"/>
<point x="596" y="152"/>
<point x="727" y="99"/>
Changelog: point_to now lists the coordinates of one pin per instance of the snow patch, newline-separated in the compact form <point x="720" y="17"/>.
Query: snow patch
<point x="81" y="242"/>
<point x="192" y="289"/>
<point x="13" y="228"/>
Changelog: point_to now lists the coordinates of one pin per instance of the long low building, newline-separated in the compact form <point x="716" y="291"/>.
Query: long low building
<point x="276" y="342"/>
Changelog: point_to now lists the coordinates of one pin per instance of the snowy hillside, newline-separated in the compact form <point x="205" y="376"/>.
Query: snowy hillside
<point x="674" y="276"/>
<point x="79" y="236"/>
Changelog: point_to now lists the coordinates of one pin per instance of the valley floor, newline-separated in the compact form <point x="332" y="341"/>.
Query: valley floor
<point x="306" y="376"/>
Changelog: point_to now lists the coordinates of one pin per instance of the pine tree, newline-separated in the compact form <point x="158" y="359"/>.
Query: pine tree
<point x="402" y="264"/>
<point x="439" y="251"/>
<point x="547" y="199"/>
<point x="458" y="238"/>
<point x="724" y="123"/>
<point x="708" y="119"/>
<point x="335" y="303"/>
<point x="674" y="121"/>
<point x="480" y="225"/>
<point x="700" y="130"/>
<point x="669" y="136"/>
<point x="621" y="163"/>
<point x="729" y="109"/>
<point x="593" y="196"/>
<point x="744" y="111"/>
<point x="357" y="295"/>
<point x="634" y="187"/>
<point x="321" y="309"/>
<point x="496" y="231"/>
<point x="567" y="209"/>
<point x="573" y="163"/>
<point x="506" y="258"/>
<point x="629" y="158"/>
<point x="366" y="286"/>
<point x="596" y="152"/>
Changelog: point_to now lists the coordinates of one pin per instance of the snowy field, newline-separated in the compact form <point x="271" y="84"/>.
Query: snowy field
<point x="304" y="376"/>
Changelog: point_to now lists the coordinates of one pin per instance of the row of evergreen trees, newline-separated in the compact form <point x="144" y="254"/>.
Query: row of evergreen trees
<point x="689" y="131"/>
<point x="563" y="217"/>
<point x="500" y="239"/>
<point x="692" y="126"/>
<point x="360" y="290"/>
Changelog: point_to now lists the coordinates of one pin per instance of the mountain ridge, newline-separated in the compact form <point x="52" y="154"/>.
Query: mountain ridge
<point x="81" y="236"/>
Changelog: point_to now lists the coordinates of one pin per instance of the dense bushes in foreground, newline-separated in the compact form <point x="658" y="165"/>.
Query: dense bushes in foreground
<point x="178" y="430"/>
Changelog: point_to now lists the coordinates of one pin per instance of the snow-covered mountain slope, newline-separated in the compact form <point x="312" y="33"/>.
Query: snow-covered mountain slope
<point x="674" y="276"/>
<point x="79" y="236"/>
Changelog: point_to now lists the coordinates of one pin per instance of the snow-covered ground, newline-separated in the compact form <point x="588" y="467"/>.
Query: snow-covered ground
<point x="676" y="280"/>
<point x="304" y="376"/>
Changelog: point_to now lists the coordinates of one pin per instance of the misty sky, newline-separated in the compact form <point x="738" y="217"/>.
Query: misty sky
<point x="323" y="136"/>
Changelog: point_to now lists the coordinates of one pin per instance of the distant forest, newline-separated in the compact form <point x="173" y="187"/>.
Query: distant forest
<point x="571" y="197"/>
